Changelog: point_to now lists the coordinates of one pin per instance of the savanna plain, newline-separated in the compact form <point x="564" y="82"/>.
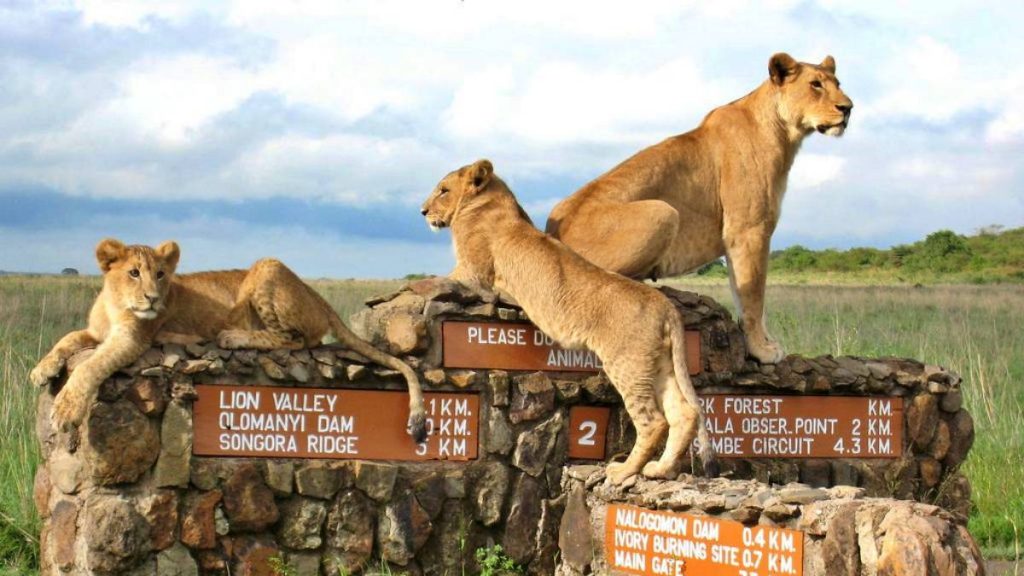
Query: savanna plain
<point x="973" y="330"/>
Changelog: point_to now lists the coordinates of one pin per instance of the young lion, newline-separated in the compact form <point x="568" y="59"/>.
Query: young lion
<point x="143" y="301"/>
<point x="632" y="327"/>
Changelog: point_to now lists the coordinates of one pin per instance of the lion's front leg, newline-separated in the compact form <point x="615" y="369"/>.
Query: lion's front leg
<point x="117" y="351"/>
<point x="51" y="364"/>
<point x="747" y="257"/>
<point x="481" y="286"/>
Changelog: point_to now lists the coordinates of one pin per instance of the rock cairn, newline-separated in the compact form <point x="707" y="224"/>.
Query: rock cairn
<point x="125" y="495"/>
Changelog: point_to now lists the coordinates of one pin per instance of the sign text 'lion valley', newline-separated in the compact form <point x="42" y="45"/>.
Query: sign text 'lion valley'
<point x="656" y="543"/>
<point x="518" y="346"/>
<point x="272" y="421"/>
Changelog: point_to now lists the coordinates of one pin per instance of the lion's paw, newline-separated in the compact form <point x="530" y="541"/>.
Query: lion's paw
<point x="660" y="470"/>
<point x="233" y="339"/>
<point x="67" y="411"/>
<point x="619" y="472"/>
<point x="46" y="370"/>
<point x="767" y="351"/>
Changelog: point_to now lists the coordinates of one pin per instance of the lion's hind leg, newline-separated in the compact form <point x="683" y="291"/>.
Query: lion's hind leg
<point x="274" y="309"/>
<point x="682" y="426"/>
<point x="639" y="398"/>
<point x="630" y="238"/>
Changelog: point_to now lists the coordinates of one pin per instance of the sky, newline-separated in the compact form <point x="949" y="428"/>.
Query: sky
<point x="311" y="131"/>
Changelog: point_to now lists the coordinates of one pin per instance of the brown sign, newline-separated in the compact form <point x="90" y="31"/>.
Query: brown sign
<point x="774" y="427"/>
<point x="588" y="430"/>
<point x="329" y="423"/>
<point x="655" y="543"/>
<point x="804" y="426"/>
<point x="519" y="346"/>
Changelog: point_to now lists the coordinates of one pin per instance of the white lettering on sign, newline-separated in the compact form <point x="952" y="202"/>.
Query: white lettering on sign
<point x="497" y="335"/>
<point x="559" y="358"/>
<point x="329" y="423"/>
<point x="804" y="426"/>
<point x="649" y="542"/>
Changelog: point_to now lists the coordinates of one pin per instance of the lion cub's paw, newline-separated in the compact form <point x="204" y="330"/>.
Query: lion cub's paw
<point x="67" y="410"/>
<point x="46" y="370"/>
<point x="660" y="470"/>
<point x="233" y="339"/>
<point x="618" y="472"/>
<point x="767" y="351"/>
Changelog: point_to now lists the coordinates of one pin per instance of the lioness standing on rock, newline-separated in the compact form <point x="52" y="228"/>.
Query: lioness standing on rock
<point x="714" y="191"/>
<point x="143" y="302"/>
<point x="632" y="327"/>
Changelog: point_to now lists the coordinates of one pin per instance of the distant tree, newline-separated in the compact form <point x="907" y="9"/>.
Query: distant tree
<point x="942" y="251"/>
<point x="990" y="230"/>
<point x="69" y="272"/>
<point x="795" y="258"/>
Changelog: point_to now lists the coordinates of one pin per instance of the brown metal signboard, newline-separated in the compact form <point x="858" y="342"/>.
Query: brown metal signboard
<point x="588" y="431"/>
<point x="654" y="543"/>
<point x="282" y="422"/>
<point x="804" y="426"/>
<point x="519" y="346"/>
<point x="774" y="427"/>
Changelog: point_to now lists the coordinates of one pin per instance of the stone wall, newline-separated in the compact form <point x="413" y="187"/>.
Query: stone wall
<point x="937" y="432"/>
<point x="125" y="494"/>
<point x="845" y="533"/>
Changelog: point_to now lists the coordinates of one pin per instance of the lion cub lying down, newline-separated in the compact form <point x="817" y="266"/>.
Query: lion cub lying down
<point x="632" y="327"/>
<point x="143" y="301"/>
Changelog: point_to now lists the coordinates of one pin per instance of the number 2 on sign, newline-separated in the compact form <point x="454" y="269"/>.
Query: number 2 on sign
<point x="589" y="428"/>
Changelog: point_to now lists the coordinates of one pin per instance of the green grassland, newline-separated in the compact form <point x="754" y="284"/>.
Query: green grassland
<point x="974" y="330"/>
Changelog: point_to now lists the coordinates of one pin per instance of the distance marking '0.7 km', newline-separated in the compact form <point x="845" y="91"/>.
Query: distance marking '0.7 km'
<point x="278" y="422"/>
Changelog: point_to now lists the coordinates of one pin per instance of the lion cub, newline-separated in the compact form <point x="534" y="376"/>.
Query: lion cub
<point x="632" y="327"/>
<point x="143" y="301"/>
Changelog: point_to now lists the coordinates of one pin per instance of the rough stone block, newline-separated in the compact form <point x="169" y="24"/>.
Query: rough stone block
<point x="172" y="465"/>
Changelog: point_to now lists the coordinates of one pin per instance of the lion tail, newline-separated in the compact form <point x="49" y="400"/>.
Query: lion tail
<point x="706" y="450"/>
<point x="417" y="425"/>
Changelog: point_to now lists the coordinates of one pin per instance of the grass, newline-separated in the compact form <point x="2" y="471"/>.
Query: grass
<point x="974" y="330"/>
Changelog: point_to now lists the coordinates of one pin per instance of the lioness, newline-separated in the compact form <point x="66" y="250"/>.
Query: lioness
<point x="143" y="301"/>
<point x="716" y="190"/>
<point x="632" y="327"/>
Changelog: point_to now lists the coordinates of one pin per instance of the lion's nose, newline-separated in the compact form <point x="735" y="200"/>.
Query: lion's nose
<point x="423" y="211"/>
<point x="152" y="298"/>
<point x="845" y="108"/>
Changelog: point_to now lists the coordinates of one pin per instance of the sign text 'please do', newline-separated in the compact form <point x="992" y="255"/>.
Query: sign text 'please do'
<point x="519" y="346"/>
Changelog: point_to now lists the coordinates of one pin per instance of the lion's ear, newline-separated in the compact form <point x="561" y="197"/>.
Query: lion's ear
<point x="169" y="253"/>
<point x="781" y="66"/>
<point x="109" y="251"/>
<point x="829" y="63"/>
<point x="481" y="172"/>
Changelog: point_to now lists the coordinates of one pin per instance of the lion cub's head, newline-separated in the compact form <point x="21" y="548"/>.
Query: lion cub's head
<point x="809" y="95"/>
<point x="453" y="191"/>
<point x="137" y="278"/>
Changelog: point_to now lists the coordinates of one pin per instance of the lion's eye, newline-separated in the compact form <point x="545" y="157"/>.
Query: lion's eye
<point x="444" y="191"/>
<point x="816" y="83"/>
<point x="134" y="273"/>
<point x="160" y="275"/>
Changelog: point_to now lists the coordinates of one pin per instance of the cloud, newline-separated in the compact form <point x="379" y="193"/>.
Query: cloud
<point x="276" y="113"/>
<point x="812" y="170"/>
